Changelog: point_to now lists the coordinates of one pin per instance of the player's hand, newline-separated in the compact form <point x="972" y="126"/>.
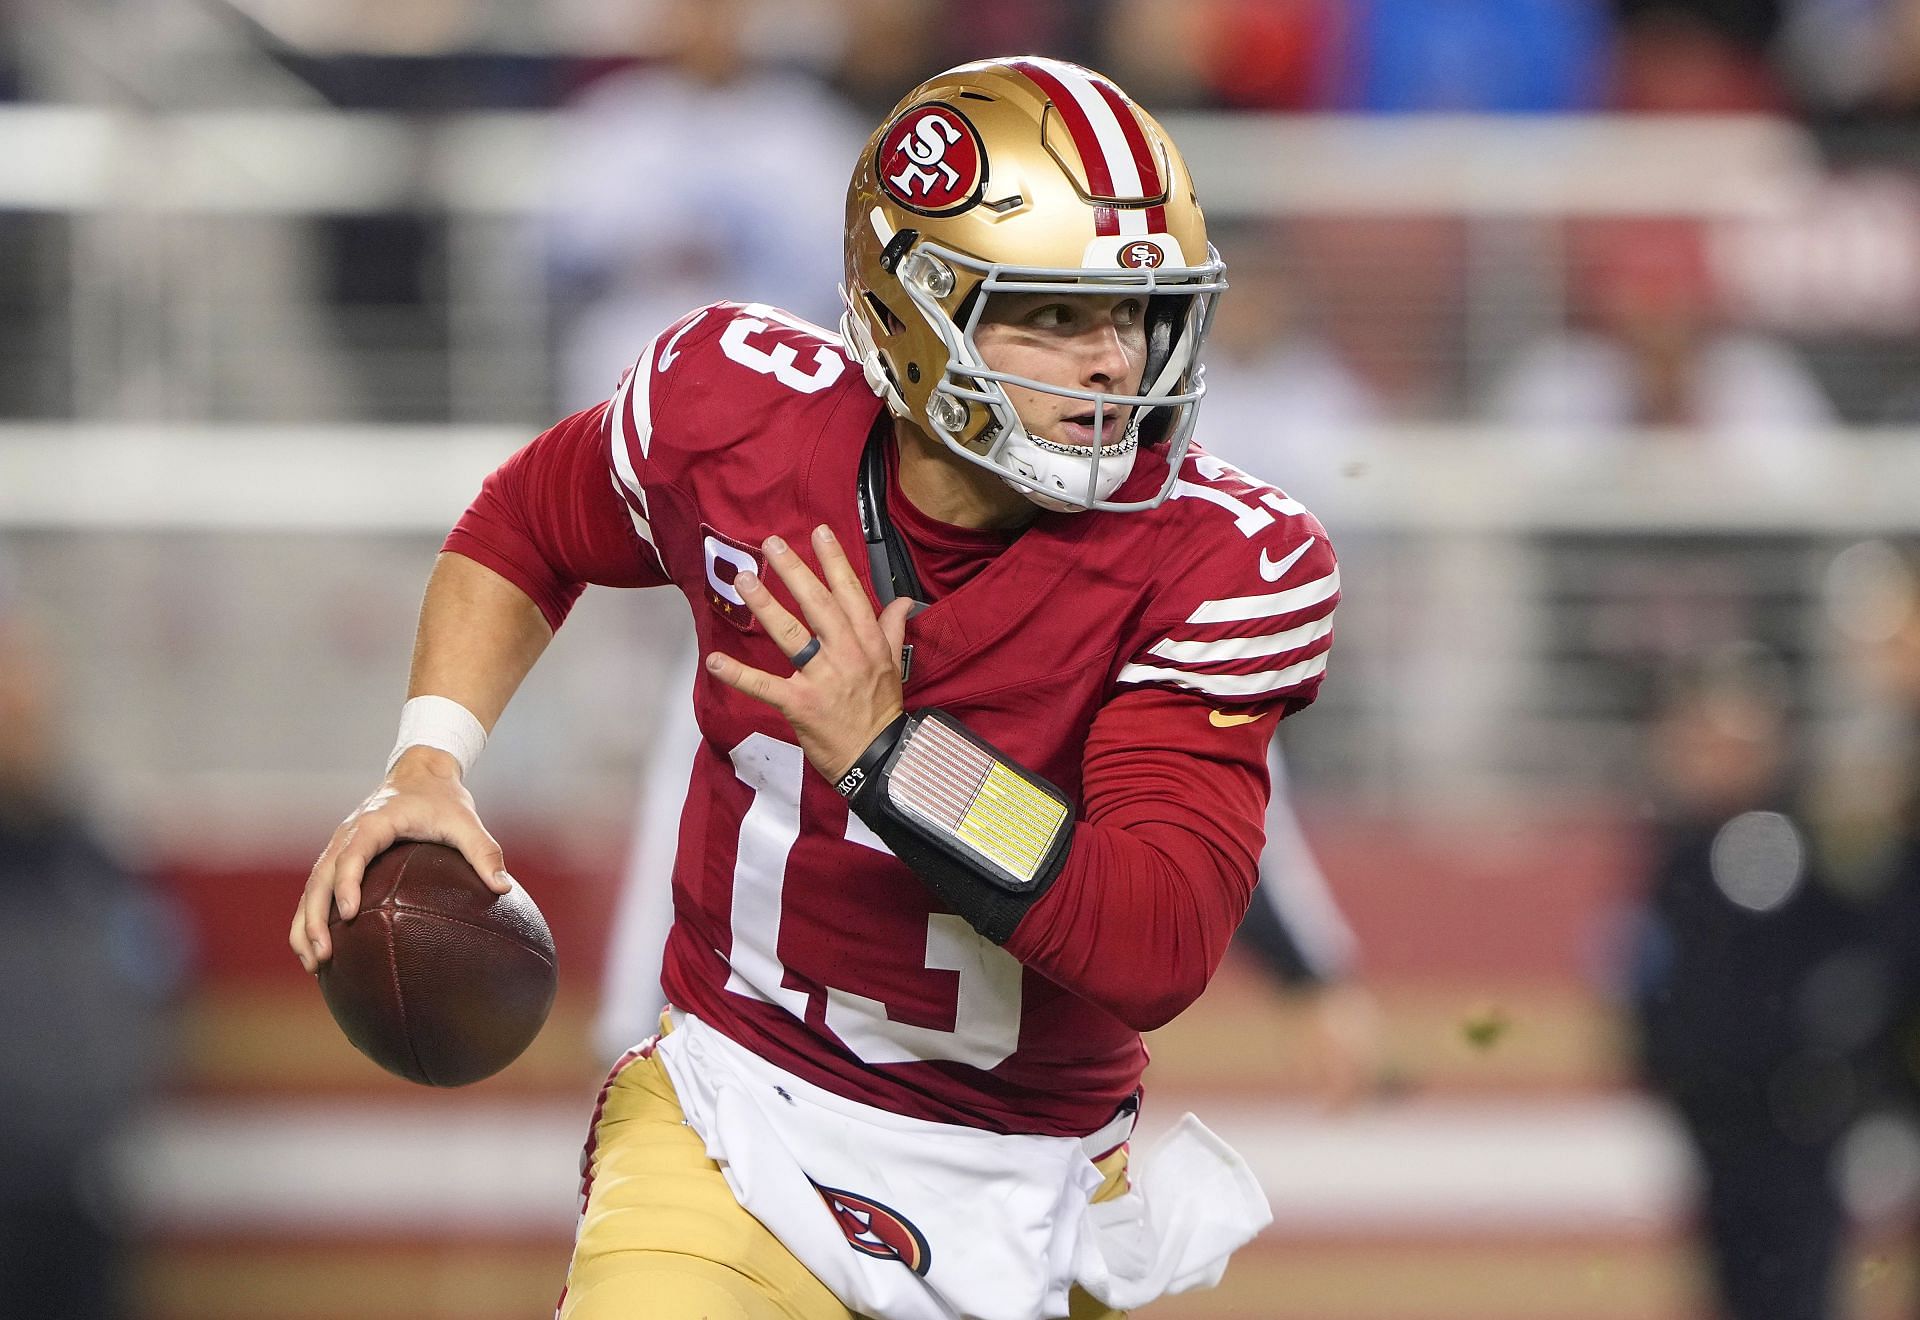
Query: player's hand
<point x="421" y="798"/>
<point x="1346" y="1045"/>
<point x="839" y="701"/>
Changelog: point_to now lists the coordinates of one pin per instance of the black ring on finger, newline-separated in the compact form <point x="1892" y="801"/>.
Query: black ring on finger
<point x="806" y="653"/>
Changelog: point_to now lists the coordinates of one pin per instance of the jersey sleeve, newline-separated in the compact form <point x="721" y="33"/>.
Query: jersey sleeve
<point x="1244" y="615"/>
<point x="574" y="507"/>
<point x="640" y="450"/>
<point x="1163" y="859"/>
<point x="550" y="521"/>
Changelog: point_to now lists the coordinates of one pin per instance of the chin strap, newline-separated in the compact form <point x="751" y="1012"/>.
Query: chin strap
<point x="887" y="557"/>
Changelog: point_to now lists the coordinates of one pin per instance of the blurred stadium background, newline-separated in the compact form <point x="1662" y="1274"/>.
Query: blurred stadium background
<point x="280" y="282"/>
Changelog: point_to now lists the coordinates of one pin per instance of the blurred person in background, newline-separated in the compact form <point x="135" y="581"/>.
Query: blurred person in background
<point x="1740" y="975"/>
<point x="1295" y="930"/>
<point x="1281" y="396"/>
<point x="89" y="964"/>
<point x="1649" y="347"/>
<point x="1477" y="57"/>
<point x="1071" y="30"/>
<point x="1697" y="57"/>
<point x="1878" y="608"/>
<point x="706" y="174"/>
<point x="1852" y="58"/>
<point x="1369" y="56"/>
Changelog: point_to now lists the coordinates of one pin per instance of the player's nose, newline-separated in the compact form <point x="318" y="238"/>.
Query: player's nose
<point x="1105" y="356"/>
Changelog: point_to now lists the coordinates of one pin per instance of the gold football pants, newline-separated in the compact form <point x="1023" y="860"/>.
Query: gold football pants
<point x="663" y="1238"/>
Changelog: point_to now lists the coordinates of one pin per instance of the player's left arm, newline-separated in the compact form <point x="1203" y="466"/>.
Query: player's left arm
<point x="1162" y="860"/>
<point x="1174" y="784"/>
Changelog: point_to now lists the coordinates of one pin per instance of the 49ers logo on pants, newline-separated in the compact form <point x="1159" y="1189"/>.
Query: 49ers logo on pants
<point x="931" y="160"/>
<point x="874" y="1230"/>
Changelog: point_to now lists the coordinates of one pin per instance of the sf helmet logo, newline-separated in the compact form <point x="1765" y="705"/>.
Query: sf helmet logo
<point x="1143" y="255"/>
<point x="931" y="161"/>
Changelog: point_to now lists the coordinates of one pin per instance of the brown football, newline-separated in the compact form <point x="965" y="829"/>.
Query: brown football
<point x="438" y="979"/>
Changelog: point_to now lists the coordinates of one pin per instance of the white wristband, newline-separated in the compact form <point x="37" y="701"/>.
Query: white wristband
<point x="443" y="723"/>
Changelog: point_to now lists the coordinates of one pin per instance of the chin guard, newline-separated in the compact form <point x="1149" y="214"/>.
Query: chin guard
<point x="986" y="835"/>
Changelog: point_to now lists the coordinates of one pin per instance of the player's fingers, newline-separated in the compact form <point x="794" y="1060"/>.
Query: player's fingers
<point x="483" y="854"/>
<point x="822" y="611"/>
<point x="309" y="933"/>
<point x="893" y="624"/>
<point x="315" y="906"/>
<point x="756" y="683"/>
<point x="320" y="877"/>
<point x="851" y="594"/>
<point x="297" y="936"/>
<point x="787" y="632"/>
<point x="845" y="584"/>
<point x="371" y="834"/>
<point x="346" y="893"/>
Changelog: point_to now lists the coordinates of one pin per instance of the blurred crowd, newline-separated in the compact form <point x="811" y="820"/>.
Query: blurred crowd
<point x="1815" y="57"/>
<point x="1749" y="330"/>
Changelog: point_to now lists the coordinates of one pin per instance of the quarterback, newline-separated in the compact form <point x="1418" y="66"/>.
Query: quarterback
<point x="992" y="653"/>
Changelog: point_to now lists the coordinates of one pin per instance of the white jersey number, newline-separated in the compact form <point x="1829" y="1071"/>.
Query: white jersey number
<point x="986" y="1017"/>
<point x="781" y="361"/>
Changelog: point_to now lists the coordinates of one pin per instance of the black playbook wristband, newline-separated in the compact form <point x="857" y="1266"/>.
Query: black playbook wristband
<point x="986" y="835"/>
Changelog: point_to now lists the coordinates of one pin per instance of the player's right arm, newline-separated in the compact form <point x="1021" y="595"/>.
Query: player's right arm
<point x="545" y="525"/>
<point x="479" y="636"/>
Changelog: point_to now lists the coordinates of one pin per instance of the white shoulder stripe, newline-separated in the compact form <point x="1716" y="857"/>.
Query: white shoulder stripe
<point x="633" y="399"/>
<point x="1244" y="648"/>
<point x="641" y="526"/>
<point x="1234" y="608"/>
<point x="1229" y="685"/>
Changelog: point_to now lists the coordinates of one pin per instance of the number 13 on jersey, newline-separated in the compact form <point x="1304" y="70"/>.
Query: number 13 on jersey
<point x="986" y="1017"/>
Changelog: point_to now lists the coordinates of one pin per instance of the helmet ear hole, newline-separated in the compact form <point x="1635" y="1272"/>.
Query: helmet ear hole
<point x="883" y="313"/>
<point x="1163" y="318"/>
<point x="1164" y="315"/>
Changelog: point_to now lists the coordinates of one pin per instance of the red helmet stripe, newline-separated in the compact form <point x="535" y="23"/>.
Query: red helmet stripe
<point x="1136" y="140"/>
<point x="1085" y="140"/>
<point x="1143" y="159"/>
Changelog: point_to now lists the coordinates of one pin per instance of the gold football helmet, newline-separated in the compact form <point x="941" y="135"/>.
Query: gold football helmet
<point x="1026" y="175"/>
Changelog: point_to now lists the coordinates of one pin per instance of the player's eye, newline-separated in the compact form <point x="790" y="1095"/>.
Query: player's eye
<point x="1050" y="316"/>
<point x="1128" y="312"/>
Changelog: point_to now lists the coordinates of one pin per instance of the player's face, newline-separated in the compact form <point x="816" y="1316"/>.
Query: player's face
<point x="1077" y="341"/>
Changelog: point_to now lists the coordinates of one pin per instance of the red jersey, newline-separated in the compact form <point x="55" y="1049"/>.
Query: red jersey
<point x="1132" y="659"/>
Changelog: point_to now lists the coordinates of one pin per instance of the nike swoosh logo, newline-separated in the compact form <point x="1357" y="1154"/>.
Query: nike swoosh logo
<point x="1273" y="572"/>
<point x="1220" y="719"/>
<point x="668" y="355"/>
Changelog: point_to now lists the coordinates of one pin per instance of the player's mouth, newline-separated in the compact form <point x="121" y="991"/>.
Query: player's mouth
<point x="1083" y="430"/>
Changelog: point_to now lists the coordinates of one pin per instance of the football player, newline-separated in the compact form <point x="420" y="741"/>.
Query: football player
<point x="992" y="655"/>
